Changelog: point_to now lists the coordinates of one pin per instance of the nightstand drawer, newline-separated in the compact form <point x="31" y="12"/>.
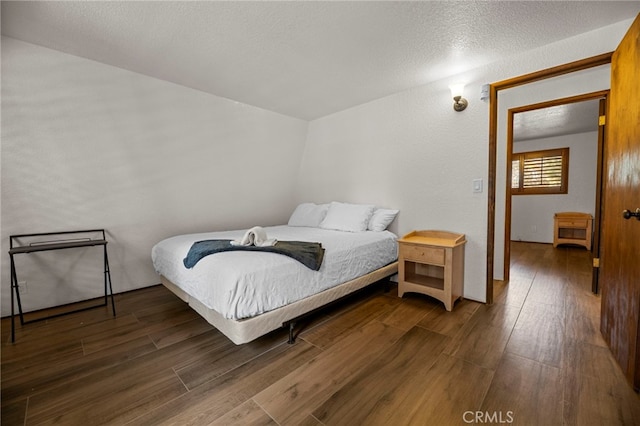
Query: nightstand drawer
<point x="574" y="223"/>
<point x="430" y="255"/>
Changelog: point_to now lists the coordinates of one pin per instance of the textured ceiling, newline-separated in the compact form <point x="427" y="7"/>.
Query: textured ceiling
<point x="303" y="59"/>
<point x="578" y="117"/>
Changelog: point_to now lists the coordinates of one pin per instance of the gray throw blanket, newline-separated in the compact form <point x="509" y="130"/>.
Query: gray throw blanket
<point x="309" y="254"/>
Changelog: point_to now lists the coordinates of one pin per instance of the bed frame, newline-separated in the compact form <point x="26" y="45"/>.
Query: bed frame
<point x="246" y="330"/>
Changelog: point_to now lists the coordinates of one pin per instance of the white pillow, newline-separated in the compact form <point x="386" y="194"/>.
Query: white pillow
<point x="381" y="219"/>
<point x="347" y="217"/>
<point x="308" y="214"/>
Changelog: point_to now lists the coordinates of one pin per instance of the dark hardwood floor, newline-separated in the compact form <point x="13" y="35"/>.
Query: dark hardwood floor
<point x="535" y="357"/>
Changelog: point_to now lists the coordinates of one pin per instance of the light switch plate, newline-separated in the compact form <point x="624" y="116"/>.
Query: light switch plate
<point x="477" y="185"/>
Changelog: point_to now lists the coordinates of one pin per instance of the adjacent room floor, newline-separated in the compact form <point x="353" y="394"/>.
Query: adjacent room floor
<point x="534" y="357"/>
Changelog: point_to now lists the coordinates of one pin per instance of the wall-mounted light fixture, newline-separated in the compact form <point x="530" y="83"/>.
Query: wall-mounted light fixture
<point x="459" y="103"/>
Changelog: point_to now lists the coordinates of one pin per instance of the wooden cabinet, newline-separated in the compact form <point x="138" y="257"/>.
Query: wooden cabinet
<point x="572" y="228"/>
<point x="432" y="263"/>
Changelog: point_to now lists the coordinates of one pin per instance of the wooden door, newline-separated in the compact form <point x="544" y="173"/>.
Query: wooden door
<point x="620" y="248"/>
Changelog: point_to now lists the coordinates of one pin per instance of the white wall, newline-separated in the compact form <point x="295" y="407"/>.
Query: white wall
<point x="409" y="151"/>
<point x="532" y="215"/>
<point x="413" y="152"/>
<point x="87" y="145"/>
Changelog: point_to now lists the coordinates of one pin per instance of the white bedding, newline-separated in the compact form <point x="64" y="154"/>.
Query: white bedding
<point x="245" y="284"/>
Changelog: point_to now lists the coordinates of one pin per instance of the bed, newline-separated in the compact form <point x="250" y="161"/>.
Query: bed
<point x="248" y="294"/>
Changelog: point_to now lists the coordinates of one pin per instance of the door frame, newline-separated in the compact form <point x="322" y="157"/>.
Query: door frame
<point x="599" y="95"/>
<point x="597" y="221"/>
<point x="494" y="89"/>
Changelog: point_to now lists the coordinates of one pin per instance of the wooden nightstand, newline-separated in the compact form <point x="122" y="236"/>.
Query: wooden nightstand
<point x="432" y="263"/>
<point x="572" y="228"/>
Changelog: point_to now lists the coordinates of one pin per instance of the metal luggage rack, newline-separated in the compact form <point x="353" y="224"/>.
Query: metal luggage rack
<point x="56" y="244"/>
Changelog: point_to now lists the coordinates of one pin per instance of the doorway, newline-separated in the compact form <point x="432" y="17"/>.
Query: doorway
<point x="570" y="184"/>
<point x="494" y="90"/>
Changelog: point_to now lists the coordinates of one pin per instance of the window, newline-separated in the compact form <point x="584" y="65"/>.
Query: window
<point x="540" y="172"/>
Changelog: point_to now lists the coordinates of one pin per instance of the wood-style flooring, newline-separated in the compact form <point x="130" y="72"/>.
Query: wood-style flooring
<point x="535" y="357"/>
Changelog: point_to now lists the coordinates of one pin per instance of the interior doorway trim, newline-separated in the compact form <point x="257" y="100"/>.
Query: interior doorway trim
<point x="494" y="89"/>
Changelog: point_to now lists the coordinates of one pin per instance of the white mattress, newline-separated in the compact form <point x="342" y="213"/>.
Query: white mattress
<point x="241" y="284"/>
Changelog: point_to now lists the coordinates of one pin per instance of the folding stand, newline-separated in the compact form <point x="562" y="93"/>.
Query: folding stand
<point x="56" y="244"/>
